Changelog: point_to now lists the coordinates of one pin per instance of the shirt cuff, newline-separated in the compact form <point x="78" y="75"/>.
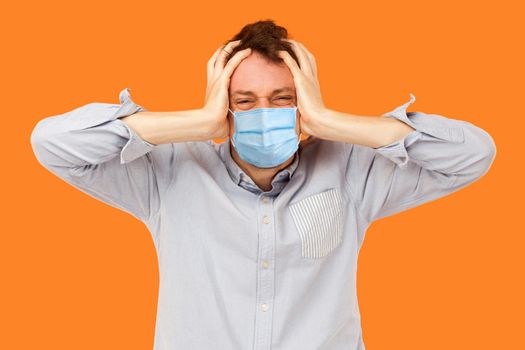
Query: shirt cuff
<point x="135" y="147"/>
<point x="397" y="151"/>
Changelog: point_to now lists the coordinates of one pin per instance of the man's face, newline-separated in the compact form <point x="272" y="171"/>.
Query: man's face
<point x="258" y="83"/>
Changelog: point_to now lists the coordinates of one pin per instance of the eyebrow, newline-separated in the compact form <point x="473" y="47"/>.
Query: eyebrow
<point x="276" y="91"/>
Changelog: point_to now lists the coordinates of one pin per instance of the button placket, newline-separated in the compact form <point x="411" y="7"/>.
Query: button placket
<point x="265" y="275"/>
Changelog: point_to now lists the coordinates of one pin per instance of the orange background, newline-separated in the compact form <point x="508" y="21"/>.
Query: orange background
<point x="79" y="274"/>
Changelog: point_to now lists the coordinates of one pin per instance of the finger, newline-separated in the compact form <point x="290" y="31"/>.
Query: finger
<point x="291" y="63"/>
<point x="306" y="54"/>
<point x="219" y="64"/>
<point x="211" y="62"/>
<point x="301" y="55"/>
<point x="311" y="58"/>
<point x="234" y="61"/>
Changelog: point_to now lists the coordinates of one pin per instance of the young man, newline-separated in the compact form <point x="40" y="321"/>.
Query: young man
<point x="258" y="237"/>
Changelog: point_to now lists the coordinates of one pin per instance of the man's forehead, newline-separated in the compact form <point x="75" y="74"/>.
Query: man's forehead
<point x="256" y="75"/>
<point x="270" y="92"/>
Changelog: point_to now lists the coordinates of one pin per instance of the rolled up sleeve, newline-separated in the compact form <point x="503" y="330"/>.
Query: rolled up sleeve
<point x="440" y="156"/>
<point x="93" y="150"/>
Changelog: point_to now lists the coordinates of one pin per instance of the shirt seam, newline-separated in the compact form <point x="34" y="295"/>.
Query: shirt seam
<point x="349" y="191"/>
<point x="156" y="177"/>
<point x="172" y="172"/>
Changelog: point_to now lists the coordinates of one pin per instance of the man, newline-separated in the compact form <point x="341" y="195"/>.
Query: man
<point x="257" y="237"/>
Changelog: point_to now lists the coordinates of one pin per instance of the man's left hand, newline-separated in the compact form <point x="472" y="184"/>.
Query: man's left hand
<point x="309" y="101"/>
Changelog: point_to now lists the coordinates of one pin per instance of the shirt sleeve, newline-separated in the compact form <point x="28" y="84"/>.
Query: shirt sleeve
<point x="96" y="152"/>
<point x="441" y="156"/>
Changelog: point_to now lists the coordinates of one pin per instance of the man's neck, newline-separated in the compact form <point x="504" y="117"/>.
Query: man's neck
<point x="262" y="177"/>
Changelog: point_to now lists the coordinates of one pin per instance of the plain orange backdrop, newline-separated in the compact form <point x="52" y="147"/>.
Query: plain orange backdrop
<point x="79" y="274"/>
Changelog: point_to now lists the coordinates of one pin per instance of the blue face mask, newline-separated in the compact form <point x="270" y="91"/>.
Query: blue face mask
<point x="265" y="137"/>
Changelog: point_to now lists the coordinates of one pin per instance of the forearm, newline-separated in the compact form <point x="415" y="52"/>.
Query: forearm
<point x="362" y="130"/>
<point x="170" y="127"/>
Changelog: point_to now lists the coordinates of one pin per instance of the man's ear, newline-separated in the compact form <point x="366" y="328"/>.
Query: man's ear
<point x="300" y="132"/>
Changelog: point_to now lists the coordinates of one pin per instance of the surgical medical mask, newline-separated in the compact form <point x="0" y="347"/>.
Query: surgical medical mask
<point x="265" y="137"/>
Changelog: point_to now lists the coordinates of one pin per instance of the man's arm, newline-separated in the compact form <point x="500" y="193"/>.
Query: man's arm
<point x="366" y="131"/>
<point x="390" y="166"/>
<point x="98" y="149"/>
<point x="394" y="166"/>
<point x="171" y="127"/>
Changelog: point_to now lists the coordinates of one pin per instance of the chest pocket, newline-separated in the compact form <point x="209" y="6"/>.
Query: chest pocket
<point x="319" y="222"/>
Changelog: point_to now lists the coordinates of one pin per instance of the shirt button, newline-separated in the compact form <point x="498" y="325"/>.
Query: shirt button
<point x="265" y="199"/>
<point x="266" y="219"/>
<point x="264" y="307"/>
<point x="265" y="264"/>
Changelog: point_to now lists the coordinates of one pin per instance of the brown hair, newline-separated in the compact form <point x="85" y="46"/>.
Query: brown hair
<point x="264" y="37"/>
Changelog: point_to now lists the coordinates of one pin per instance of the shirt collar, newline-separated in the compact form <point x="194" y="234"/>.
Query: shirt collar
<point x="240" y="178"/>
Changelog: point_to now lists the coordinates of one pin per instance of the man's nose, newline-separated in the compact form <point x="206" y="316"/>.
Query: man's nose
<point x="263" y="103"/>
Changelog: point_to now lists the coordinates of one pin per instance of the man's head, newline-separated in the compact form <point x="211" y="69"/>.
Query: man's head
<point x="258" y="83"/>
<point x="262" y="79"/>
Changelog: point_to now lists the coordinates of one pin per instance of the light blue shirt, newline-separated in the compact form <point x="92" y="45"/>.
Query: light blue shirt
<point x="241" y="268"/>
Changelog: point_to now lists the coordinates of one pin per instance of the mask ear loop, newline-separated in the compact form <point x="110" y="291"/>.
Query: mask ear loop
<point x="231" y="138"/>
<point x="298" y="144"/>
<point x="299" y="138"/>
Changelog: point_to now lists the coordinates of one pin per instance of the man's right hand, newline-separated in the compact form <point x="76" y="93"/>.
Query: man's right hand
<point x="206" y="123"/>
<point x="217" y="96"/>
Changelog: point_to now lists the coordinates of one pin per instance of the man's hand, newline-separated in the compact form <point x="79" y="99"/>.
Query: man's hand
<point x="217" y="101"/>
<point x="324" y="123"/>
<point x="309" y="101"/>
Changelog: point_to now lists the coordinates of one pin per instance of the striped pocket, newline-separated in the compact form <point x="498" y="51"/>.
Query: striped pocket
<point x="319" y="221"/>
